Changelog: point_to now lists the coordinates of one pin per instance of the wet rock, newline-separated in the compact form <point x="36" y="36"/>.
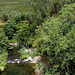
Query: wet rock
<point x="18" y="62"/>
<point x="2" y="69"/>
<point x="37" y="73"/>
<point x="11" y="48"/>
<point x="9" y="61"/>
<point x="10" y="44"/>
<point x="27" y="50"/>
<point x="36" y="59"/>
<point x="15" y="44"/>
<point x="29" y="59"/>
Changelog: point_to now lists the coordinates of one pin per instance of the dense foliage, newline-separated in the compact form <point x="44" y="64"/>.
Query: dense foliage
<point x="3" y="47"/>
<point x="55" y="42"/>
<point x="9" y="29"/>
<point x="48" y="25"/>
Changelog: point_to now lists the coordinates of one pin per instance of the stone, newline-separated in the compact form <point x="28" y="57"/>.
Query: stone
<point x="18" y="62"/>
<point x="18" y="51"/>
<point x="36" y="59"/>
<point x="37" y="73"/>
<point x="11" y="48"/>
<point x="2" y="69"/>
<point x="13" y="62"/>
<point x="16" y="44"/>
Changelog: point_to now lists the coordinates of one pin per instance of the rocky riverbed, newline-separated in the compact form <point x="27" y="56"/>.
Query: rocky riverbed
<point x="14" y="57"/>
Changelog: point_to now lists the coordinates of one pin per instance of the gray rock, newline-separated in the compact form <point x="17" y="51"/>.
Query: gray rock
<point x="13" y="62"/>
<point x="9" y="61"/>
<point x="18" y="62"/>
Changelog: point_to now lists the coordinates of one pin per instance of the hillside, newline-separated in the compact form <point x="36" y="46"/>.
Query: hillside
<point x="13" y="8"/>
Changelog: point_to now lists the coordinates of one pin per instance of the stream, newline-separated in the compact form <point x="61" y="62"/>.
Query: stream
<point x="16" y="66"/>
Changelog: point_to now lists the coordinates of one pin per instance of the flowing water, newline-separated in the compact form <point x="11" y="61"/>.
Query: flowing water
<point x="17" y="68"/>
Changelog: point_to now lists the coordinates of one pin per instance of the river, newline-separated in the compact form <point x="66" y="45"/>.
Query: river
<point x="17" y="68"/>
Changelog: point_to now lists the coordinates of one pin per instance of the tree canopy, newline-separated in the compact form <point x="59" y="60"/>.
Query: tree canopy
<point x="55" y="42"/>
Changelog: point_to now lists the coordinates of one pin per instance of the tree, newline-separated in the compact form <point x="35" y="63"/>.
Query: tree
<point x="55" y="42"/>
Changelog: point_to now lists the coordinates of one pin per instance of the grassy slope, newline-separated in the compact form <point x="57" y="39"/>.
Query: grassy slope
<point x="15" y="7"/>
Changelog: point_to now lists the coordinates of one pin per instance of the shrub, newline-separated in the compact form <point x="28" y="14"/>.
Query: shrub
<point x="5" y="17"/>
<point x="55" y="42"/>
<point x="9" y="29"/>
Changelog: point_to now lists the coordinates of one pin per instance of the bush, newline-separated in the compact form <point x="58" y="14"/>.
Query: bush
<point x="3" y="57"/>
<point x="5" y="17"/>
<point x="3" y="46"/>
<point x="24" y="54"/>
<point x="17" y="19"/>
<point x="22" y="17"/>
<point x="55" y="42"/>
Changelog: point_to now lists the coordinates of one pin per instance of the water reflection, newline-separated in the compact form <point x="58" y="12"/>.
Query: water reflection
<point x="19" y="69"/>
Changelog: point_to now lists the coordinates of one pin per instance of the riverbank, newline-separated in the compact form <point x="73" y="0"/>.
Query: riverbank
<point x="14" y="58"/>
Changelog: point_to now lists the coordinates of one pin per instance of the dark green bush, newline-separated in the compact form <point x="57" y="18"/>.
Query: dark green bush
<point x="55" y="42"/>
<point x="3" y="46"/>
<point x="5" y="17"/>
<point x="9" y="29"/>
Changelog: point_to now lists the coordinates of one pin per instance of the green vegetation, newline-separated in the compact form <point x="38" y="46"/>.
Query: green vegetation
<point x="48" y="25"/>
<point x="55" y="42"/>
<point x="24" y="54"/>
<point x="3" y="46"/>
<point x="12" y="8"/>
<point x="9" y="29"/>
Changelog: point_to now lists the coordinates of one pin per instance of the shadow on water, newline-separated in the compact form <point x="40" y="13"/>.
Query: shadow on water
<point x="13" y="53"/>
<point x="15" y="68"/>
<point x="19" y="69"/>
